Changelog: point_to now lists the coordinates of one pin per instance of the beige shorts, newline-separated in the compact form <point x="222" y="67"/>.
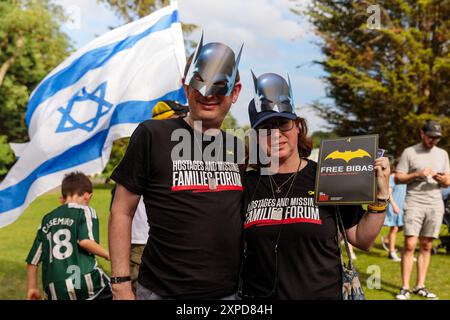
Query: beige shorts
<point x="423" y="222"/>
<point x="135" y="262"/>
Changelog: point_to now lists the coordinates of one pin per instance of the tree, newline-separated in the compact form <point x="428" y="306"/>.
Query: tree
<point x="6" y="156"/>
<point x="318" y="136"/>
<point x="117" y="152"/>
<point x="229" y="122"/>
<point x="31" y="45"/>
<point x="385" y="80"/>
<point x="131" y="10"/>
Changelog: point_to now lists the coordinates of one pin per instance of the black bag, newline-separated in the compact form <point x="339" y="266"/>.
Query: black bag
<point x="351" y="286"/>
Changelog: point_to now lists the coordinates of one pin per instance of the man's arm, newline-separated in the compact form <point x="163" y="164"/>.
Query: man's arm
<point x="32" y="283"/>
<point x="93" y="247"/>
<point x="405" y="178"/>
<point x="443" y="179"/>
<point x="123" y="208"/>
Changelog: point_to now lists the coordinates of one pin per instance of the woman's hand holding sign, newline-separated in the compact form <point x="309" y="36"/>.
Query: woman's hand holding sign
<point x="364" y="234"/>
<point x="382" y="172"/>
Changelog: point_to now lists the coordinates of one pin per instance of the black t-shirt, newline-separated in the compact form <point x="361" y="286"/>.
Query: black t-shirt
<point x="195" y="239"/>
<point x="308" y="254"/>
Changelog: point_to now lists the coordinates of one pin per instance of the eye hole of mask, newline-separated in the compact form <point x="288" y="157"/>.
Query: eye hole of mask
<point x="197" y="77"/>
<point x="222" y="83"/>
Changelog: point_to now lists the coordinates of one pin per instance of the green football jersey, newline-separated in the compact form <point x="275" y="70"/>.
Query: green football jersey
<point x="68" y="271"/>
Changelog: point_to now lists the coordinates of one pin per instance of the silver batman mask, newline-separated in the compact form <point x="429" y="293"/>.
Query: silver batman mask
<point x="213" y="69"/>
<point x="273" y="93"/>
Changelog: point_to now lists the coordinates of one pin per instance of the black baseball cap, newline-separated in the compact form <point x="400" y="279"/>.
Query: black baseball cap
<point x="432" y="129"/>
<point x="256" y="118"/>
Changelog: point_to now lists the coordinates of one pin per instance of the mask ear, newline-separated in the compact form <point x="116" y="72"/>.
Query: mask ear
<point x="190" y="72"/>
<point x="291" y="96"/>
<point x="255" y="82"/>
<point x="235" y="70"/>
<point x="257" y="98"/>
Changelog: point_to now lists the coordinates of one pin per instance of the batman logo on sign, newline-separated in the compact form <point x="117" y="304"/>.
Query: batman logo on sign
<point x="348" y="155"/>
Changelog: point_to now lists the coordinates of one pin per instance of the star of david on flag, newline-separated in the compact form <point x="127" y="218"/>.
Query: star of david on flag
<point x="97" y="95"/>
<point x="68" y="123"/>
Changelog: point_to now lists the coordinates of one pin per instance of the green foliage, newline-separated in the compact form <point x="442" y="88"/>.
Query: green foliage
<point x="229" y="122"/>
<point x="317" y="136"/>
<point x="117" y="152"/>
<point x="385" y="80"/>
<point x="6" y="156"/>
<point x="31" y="45"/>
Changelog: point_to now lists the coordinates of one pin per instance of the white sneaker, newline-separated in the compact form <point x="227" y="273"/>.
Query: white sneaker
<point x="403" y="295"/>
<point x="424" y="292"/>
<point x="394" y="257"/>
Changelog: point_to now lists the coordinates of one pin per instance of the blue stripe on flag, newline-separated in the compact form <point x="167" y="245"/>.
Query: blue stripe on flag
<point x="138" y="111"/>
<point x="89" y="61"/>
<point x="14" y="196"/>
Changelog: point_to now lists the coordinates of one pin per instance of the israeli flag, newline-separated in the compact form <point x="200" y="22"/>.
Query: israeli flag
<point x="99" y="94"/>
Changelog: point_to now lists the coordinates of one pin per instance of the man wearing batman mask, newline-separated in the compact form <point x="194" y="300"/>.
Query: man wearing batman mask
<point x="211" y="84"/>
<point x="194" y="247"/>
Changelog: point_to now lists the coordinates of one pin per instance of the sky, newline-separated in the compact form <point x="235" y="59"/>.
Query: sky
<point x="275" y="40"/>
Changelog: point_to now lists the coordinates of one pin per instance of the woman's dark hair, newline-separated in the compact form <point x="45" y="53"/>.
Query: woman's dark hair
<point x="304" y="142"/>
<point x="75" y="183"/>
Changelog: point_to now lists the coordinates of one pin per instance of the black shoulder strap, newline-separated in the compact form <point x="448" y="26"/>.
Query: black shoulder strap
<point x="341" y="230"/>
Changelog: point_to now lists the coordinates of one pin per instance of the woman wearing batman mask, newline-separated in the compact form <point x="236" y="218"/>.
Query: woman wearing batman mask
<point x="292" y="250"/>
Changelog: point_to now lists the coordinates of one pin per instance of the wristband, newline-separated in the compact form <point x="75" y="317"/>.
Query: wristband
<point x="376" y="208"/>
<point x="120" y="279"/>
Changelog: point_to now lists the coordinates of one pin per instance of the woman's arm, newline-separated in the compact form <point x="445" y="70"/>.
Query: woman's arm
<point x="394" y="206"/>
<point x="363" y="234"/>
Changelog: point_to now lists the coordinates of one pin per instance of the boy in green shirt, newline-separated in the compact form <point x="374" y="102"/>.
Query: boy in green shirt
<point x="66" y="243"/>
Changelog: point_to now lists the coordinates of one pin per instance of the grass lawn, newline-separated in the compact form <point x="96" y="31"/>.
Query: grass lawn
<point x="438" y="278"/>
<point x="16" y="240"/>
